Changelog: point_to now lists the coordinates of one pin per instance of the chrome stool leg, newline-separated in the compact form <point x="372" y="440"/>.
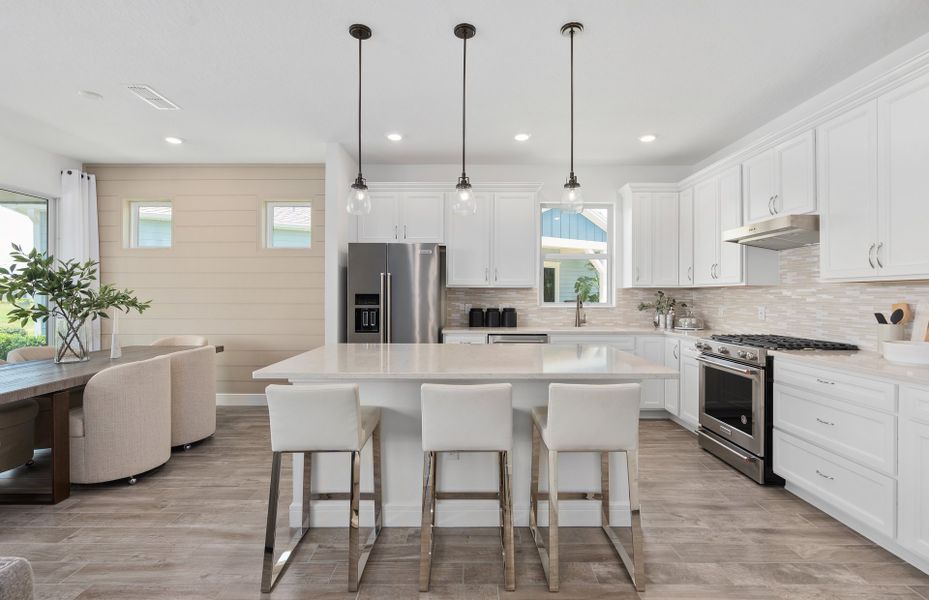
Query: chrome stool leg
<point x="635" y="565"/>
<point x="358" y="556"/>
<point x="506" y="499"/>
<point x="426" y="534"/>
<point x="548" y="553"/>
<point x="553" y="579"/>
<point x="271" y="571"/>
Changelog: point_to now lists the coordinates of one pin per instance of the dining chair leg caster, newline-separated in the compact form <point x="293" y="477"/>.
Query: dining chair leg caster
<point x="132" y="480"/>
<point x="186" y="447"/>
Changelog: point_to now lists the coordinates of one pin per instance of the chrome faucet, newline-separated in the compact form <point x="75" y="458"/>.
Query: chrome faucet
<point x="579" y="319"/>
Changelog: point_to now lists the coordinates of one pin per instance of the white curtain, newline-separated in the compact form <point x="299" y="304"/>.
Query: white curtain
<point x="78" y="236"/>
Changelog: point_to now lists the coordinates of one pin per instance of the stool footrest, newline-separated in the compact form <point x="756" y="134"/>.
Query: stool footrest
<point x="467" y="496"/>
<point x="340" y="496"/>
<point x="574" y="496"/>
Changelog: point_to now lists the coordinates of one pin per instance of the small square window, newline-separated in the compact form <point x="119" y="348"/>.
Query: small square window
<point x="288" y="224"/>
<point x="150" y="224"/>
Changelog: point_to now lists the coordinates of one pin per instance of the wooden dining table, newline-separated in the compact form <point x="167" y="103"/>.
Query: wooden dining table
<point x="45" y="378"/>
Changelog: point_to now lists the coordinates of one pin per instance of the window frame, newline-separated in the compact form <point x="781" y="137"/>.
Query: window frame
<point x="609" y="257"/>
<point x="267" y="220"/>
<point x="131" y="223"/>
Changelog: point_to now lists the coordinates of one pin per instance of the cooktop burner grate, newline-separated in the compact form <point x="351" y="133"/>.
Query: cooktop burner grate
<point x="781" y="342"/>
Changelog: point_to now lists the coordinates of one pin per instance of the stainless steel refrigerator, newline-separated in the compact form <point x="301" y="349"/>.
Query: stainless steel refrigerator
<point x="395" y="293"/>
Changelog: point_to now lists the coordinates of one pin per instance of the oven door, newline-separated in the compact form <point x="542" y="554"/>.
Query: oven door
<point x="732" y="402"/>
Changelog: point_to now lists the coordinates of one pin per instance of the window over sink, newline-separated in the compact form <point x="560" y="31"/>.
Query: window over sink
<point x="576" y="256"/>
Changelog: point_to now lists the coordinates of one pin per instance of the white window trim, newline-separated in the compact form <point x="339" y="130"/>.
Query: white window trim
<point x="131" y="236"/>
<point x="609" y="272"/>
<point x="267" y="223"/>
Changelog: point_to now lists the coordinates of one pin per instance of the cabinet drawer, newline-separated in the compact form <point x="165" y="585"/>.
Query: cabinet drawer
<point x="621" y="342"/>
<point x="914" y="403"/>
<point x="464" y="338"/>
<point x="879" y="395"/>
<point x="863" y="494"/>
<point x="860" y="434"/>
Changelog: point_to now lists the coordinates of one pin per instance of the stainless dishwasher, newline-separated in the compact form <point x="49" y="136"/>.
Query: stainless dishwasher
<point x="517" y="338"/>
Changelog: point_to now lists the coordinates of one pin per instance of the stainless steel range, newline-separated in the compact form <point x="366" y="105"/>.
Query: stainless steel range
<point x="736" y="387"/>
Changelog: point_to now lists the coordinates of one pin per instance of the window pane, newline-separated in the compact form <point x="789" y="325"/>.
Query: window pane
<point x="290" y="226"/>
<point x="567" y="232"/>
<point x="24" y="222"/>
<point x="151" y="223"/>
<point x="572" y="277"/>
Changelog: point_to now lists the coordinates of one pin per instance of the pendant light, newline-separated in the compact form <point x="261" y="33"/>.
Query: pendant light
<point x="359" y="202"/>
<point x="464" y="203"/>
<point x="571" y="198"/>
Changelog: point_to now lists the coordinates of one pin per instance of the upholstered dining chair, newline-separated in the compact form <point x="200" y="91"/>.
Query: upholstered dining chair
<point x="124" y="426"/>
<point x="181" y="340"/>
<point x="193" y="395"/>
<point x="28" y="353"/>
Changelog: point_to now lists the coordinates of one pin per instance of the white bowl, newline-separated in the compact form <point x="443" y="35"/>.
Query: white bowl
<point x="907" y="353"/>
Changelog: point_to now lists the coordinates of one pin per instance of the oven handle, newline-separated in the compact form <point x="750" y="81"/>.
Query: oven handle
<point x="744" y="458"/>
<point x="737" y="370"/>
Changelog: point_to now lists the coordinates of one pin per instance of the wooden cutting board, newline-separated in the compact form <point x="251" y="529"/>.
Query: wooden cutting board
<point x="907" y="313"/>
<point x="921" y="323"/>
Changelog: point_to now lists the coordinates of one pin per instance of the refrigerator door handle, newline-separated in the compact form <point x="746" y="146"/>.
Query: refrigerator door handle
<point x="383" y="307"/>
<point x="386" y="321"/>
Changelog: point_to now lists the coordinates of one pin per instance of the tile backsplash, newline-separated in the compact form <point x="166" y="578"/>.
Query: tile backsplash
<point x="801" y="305"/>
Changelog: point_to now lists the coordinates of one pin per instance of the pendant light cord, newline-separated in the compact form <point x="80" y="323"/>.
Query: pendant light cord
<point x="464" y="103"/>
<point x="359" y="108"/>
<point x="572" y="103"/>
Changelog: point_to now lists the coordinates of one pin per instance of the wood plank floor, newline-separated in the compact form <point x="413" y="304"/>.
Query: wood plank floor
<point x="194" y="530"/>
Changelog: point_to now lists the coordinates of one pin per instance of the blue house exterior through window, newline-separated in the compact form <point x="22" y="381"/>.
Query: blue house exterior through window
<point x="576" y="255"/>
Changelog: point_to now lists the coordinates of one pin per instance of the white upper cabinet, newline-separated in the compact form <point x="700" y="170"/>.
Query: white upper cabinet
<point x="651" y="230"/>
<point x="780" y="180"/>
<point x="495" y="247"/>
<point x="706" y="231"/>
<point x="729" y="257"/>
<point x="685" y="261"/>
<point x="903" y="181"/>
<point x="847" y="174"/>
<point x="403" y="216"/>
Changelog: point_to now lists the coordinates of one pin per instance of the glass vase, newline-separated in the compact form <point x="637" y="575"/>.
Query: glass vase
<point x="71" y="340"/>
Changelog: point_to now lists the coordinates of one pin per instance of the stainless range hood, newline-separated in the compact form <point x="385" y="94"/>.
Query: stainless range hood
<point x="778" y="233"/>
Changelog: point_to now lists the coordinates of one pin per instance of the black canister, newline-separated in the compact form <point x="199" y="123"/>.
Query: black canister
<point x="476" y="317"/>
<point x="509" y="317"/>
<point x="492" y="318"/>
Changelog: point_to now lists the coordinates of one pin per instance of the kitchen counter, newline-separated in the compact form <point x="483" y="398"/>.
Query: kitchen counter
<point x="584" y="330"/>
<point x="862" y="362"/>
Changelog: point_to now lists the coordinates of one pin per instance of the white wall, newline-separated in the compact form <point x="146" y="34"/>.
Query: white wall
<point x="341" y="169"/>
<point x="29" y="169"/>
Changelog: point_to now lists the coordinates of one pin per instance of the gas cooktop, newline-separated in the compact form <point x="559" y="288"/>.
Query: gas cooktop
<point x="781" y="342"/>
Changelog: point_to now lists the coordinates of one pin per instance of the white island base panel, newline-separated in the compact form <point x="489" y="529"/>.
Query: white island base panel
<point x="402" y="464"/>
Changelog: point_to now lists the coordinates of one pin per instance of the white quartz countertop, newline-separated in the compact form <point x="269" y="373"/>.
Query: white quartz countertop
<point x="584" y="330"/>
<point x="348" y="362"/>
<point x="869" y="364"/>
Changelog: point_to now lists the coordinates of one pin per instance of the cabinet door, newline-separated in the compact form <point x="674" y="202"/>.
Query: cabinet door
<point x="846" y="172"/>
<point x="795" y="165"/>
<point x="914" y="487"/>
<point x="665" y="226"/>
<point x="690" y="390"/>
<point x="903" y="182"/>
<point x="651" y="349"/>
<point x="672" y="387"/>
<point x="514" y="240"/>
<point x="729" y="264"/>
<point x="422" y="218"/>
<point x="758" y="193"/>
<point x="706" y="232"/>
<point x="467" y="241"/>
<point x="685" y="262"/>
<point x="641" y="239"/>
<point x="380" y="225"/>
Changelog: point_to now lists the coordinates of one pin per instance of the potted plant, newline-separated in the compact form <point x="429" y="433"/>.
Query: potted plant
<point x="69" y="299"/>
<point x="662" y="305"/>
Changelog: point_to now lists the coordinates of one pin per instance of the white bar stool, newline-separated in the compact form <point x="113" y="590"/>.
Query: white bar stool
<point x="467" y="418"/>
<point x="587" y="418"/>
<point x="321" y="418"/>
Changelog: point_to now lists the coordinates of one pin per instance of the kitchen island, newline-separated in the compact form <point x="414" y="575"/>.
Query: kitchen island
<point x="390" y="376"/>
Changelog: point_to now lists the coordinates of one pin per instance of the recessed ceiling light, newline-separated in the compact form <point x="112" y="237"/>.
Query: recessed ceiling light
<point x="394" y="137"/>
<point x="90" y="95"/>
<point x="522" y="137"/>
<point x="648" y="138"/>
<point x="174" y="140"/>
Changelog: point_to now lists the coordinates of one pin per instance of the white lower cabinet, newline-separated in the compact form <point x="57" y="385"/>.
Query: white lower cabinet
<point x="914" y="471"/>
<point x="652" y="348"/>
<point x="689" y="412"/>
<point x="464" y="338"/>
<point x="626" y="343"/>
<point x="672" y="387"/>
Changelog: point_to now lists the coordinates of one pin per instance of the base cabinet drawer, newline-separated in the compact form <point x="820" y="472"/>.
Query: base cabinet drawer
<point x="625" y="343"/>
<point x="880" y="395"/>
<point x="464" y="338"/>
<point x="914" y="486"/>
<point x="863" y="435"/>
<point x="863" y="494"/>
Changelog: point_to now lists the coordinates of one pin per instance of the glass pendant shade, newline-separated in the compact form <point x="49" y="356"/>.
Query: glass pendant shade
<point x="359" y="201"/>
<point x="463" y="203"/>
<point x="571" y="198"/>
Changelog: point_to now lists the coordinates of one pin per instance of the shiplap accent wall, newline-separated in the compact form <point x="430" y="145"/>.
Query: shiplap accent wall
<point x="217" y="280"/>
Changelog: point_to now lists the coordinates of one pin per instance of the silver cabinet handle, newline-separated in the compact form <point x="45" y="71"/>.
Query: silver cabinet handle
<point x="774" y="204"/>
<point x="404" y="232"/>
<point x="496" y="274"/>
<point x="674" y="352"/>
<point x="395" y="233"/>
<point x="818" y="420"/>
<point x="871" y="256"/>
<point x="690" y="273"/>
<point x="877" y="254"/>
<point x="824" y="476"/>
<point x="825" y="382"/>
<point x="486" y="274"/>
<point x="638" y="275"/>
<point x="770" y="202"/>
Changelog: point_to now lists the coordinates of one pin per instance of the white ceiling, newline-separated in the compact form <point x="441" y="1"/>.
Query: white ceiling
<point x="273" y="81"/>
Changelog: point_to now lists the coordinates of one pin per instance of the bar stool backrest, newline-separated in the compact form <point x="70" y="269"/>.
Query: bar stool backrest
<point x="467" y="417"/>
<point x="593" y="417"/>
<point x="311" y="418"/>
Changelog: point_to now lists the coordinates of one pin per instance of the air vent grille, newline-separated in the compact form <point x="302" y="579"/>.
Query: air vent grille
<point x="152" y="97"/>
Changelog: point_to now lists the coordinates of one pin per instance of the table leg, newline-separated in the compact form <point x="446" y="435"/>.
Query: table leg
<point x="61" y="447"/>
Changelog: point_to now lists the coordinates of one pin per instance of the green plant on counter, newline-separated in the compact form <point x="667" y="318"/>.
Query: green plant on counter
<point x="662" y="304"/>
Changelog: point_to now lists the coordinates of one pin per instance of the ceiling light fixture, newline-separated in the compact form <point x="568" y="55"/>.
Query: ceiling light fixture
<point x="174" y="140"/>
<point x="464" y="203"/>
<point x="522" y="137"/>
<point x="394" y="137"/>
<point x="571" y="198"/>
<point x="359" y="203"/>
<point x="90" y="95"/>
<point x="648" y="138"/>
